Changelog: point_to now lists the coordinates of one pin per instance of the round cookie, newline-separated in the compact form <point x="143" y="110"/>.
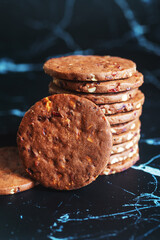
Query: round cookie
<point x="97" y="98"/>
<point x="126" y="136"/>
<point x="131" y="104"/>
<point x="121" y="166"/>
<point x="124" y="127"/>
<point x="124" y="117"/>
<point x="13" y="177"/>
<point x="64" y="141"/>
<point x="135" y="81"/>
<point x="89" y="68"/>
<point x="125" y="145"/>
<point x="114" y="158"/>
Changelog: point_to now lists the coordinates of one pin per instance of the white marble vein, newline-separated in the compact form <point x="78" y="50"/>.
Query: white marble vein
<point x="148" y="169"/>
<point x="151" y="141"/>
<point x="135" y="209"/>
<point x="125" y="190"/>
<point x="56" y="31"/>
<point x="8" y="65"/>
<point x="13" y="112"/>
<point x="137" y="29"/>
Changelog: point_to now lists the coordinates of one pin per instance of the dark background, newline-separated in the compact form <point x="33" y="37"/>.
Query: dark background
<point x="122" y="206"/>
<point x="33" y="31"/>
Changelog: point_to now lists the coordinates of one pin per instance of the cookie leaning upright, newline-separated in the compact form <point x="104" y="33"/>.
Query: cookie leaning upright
<point x="64" y="141"/>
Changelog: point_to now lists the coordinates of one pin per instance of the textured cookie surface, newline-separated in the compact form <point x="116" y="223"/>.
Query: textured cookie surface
<point x="124" y="127"/>
<point x="118" y="157"/>
<point x="131" y="104"/>
<point x="97" y="98"/>
<point x="65" y="141"/>
<point x="121" y="166"/>
<point x="13" y="177"/>
<point x="124" y="117"/>
<point x="90" y="68"/>
<point x="126" y="136"/>
<point x="125" y="145"/>
<point x="135" y="81"/>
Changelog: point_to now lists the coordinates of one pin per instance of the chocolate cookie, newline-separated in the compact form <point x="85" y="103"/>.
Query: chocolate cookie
<point x="64" y="141"/>
<point x="126" y="136"/>
<point x="135" y="81"/>
<point x="124" y="127"/>
<point x="114" y="158"/>
<point x="121" y="166"/>
<point x="90" y="68"/>
<point x="118" y="148"/>
<point x="97" y="98"/>
<point x="131" y="104"/>
<point x="124" y="117"/>
<point x="13" y="177"/>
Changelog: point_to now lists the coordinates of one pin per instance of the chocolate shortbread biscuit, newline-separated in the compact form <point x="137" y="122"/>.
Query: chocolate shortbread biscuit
<point x="114" y="158"/>
<point x="131" y="104"/>
<point x="124" y="127"/>
<point x="64" y="141"/>
<point x="90" y="68"/>
<point x="135" y="81"/>
<point x="126" y="136"/>
<point x="13" y="177"/>
<point x="124" y="117"/>
<point x="97" y="98"/>
<point x="125" y="145"/>
<point x="121" y="166"/>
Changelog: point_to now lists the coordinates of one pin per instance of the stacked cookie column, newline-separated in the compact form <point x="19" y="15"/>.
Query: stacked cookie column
<point x="113" y="84"/>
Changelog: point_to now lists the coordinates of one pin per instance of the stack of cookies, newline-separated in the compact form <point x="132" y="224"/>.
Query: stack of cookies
<point x="113" y="84"/>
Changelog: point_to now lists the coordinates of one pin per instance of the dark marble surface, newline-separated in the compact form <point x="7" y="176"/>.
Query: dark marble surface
<point x="121" y="206"/>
